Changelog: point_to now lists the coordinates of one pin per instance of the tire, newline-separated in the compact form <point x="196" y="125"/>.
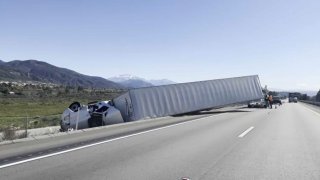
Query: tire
<point x="75" y="106"/>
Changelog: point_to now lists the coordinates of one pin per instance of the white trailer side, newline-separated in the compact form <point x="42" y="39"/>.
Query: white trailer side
<point x="159" y="101"/>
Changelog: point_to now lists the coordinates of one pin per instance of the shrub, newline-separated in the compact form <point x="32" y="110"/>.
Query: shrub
<point x="9" y="133"/>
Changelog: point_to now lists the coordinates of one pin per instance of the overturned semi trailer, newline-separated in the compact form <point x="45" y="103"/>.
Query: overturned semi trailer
<point x="167" y="100"/>
<point x="159" y="101"/>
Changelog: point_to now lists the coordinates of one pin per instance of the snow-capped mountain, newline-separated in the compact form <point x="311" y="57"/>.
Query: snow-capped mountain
<point x="125" y="77"/>
<point x="161" y="82"/>
<point x="131" y="81"/>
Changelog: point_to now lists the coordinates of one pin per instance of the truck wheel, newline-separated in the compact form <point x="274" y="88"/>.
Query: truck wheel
<point x="74" y="106"/>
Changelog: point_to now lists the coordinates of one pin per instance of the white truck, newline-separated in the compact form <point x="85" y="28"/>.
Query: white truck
<point x="160" y="101"/>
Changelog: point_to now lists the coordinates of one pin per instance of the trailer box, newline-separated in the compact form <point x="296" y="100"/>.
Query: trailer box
<point x="166" y="100"/>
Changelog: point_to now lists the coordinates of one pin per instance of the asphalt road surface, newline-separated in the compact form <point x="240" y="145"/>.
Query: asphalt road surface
<point x="282" y="143"/>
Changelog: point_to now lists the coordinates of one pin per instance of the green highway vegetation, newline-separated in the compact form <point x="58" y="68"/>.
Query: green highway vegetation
<point x="26" y="105"/>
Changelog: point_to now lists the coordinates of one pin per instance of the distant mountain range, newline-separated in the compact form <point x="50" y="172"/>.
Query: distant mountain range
<point x="38" y="71"/>
<point x="131" y="81"/>
<point x="309" y="93"/>
<point x="286" y="92"/>
<point x="33" y="70"/>
<point x="161" y="82"/>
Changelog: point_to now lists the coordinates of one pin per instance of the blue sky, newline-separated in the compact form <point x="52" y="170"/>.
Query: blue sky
<point x="182" y="40"/>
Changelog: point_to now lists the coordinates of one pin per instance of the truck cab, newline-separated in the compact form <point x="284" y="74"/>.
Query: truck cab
<point x="94" y="114"/>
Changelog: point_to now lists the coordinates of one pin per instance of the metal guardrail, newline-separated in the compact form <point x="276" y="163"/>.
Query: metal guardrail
<point x="311" y="102"/>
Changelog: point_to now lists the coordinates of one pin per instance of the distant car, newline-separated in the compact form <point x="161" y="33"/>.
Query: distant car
<point x="257" y="104"/>
<point x="293" y="99"/>
<point x="290" y="99"/>
<point x="276" y="100"/>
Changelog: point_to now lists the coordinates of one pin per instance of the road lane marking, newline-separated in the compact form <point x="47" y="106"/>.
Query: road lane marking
<point x="99" y="143"/>
<point x="314" y="112"/>
<point x="246" y="132"/>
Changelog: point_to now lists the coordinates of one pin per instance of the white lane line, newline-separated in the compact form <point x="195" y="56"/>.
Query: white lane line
<point x="246" y="132"/>
<point x="99" y="143"/>
<point x="314" y="112"/>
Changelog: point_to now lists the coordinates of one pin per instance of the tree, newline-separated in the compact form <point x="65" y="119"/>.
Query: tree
<point x="5" y="91"/>
<point x="304" y="97"/>
<point x="68" y="89"/>
<point x="80" y="88"/>
<point x="273" y="93"/>
<point x="318" y="96"/>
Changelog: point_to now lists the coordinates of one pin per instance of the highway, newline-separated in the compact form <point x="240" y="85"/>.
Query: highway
<point x="282" y="143"/>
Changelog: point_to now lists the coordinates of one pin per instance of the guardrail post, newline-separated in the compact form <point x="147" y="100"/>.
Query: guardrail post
<point x="26" y="124"/>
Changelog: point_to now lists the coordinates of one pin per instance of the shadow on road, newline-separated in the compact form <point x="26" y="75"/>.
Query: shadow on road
<point x="211" y="112"/>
